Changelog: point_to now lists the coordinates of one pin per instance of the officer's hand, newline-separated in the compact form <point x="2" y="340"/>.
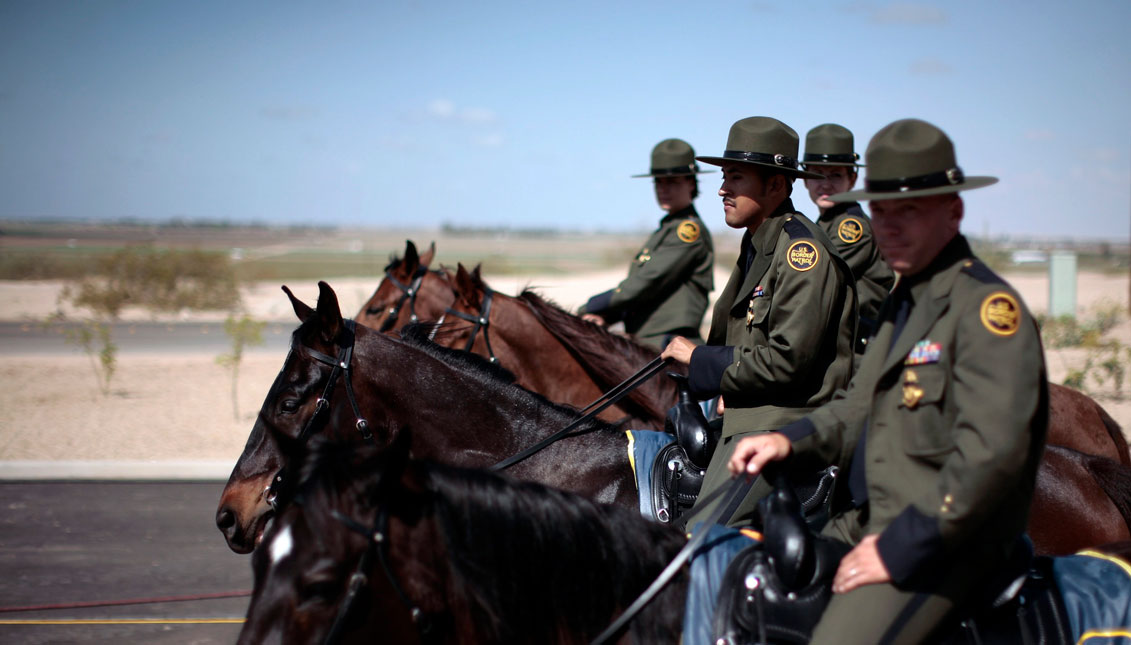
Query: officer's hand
<point x="720" y="407"/>
<point x="862" y="566"/>
<point x="679" y="350"/>
<point x="593" y="318"/>
<point x="752" y="453"/>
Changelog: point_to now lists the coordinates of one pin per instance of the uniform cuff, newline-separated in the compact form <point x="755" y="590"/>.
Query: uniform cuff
<point x="705" y="371"/>
<point x="909" y="544"/>
<point x="598" y="303"/>
<point x="798" y="430"/>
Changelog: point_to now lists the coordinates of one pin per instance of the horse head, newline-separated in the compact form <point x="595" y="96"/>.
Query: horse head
<point x="325" y="573"/>
<point x="318" y="366"/>
<point x="410" y="291"/>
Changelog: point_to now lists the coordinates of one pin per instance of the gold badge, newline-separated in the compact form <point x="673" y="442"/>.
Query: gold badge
<point x="643" y="257"/>
<point x="688" y="231"/>
<point x="750" y="313"/>
<point x="911" y="390"/>
<point x="1001" y="314"/>
<point x="850" y="230"/>
<point x="802" y="255"/>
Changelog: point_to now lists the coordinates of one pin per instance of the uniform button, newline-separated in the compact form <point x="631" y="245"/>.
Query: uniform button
<point x="948" y="499"/>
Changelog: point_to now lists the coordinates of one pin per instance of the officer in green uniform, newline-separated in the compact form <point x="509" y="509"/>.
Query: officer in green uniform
<point x="828" y="151"/>
<point x="665" y="293"/>
<point x="783" y="328"/>
<point x="944" y="423"/>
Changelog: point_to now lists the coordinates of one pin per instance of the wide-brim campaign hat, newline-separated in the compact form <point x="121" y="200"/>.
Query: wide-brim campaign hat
<point x="830" y="144"/>
<point x="764" y="142"/>
<point x="911" y="158"/>
<point x="671" y="158"/>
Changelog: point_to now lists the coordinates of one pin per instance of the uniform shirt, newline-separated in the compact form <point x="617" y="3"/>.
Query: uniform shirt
<point x="783" y="328"/>
<point x="952" y="413"/>
<point x="666" y="289"/>
<point x="851" y="232"/>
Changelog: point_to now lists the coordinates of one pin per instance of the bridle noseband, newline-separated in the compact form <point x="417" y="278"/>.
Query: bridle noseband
<point x="341" y="365"/>
<point x="481" y="321"/>
<point x="408" y="292"/>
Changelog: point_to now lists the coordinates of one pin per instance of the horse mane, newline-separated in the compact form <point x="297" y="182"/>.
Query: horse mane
<point x="608" y="358"/>
<point x="506" y="539"/>
<point x="417" y="335"/>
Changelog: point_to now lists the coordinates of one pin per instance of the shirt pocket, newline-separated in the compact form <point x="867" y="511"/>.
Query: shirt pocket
<point x="758" y="311"/>
<point x="926" y="432"/>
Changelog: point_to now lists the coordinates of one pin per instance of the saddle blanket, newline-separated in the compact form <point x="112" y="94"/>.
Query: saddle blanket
<point x="1096" y="589"/>
<point x="643" y="446"/>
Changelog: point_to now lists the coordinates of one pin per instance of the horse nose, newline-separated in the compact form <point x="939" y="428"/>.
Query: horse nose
<point x="225" y="518"/>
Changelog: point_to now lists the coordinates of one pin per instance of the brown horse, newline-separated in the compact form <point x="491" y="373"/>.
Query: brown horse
<point x="1076" y="421"/>
<point x="553" y="352"/>
<point x="381" y="548"/>
<point x="410" y="291"/>
<point x="1080" y="500"/>
<point x="464" y="411"/>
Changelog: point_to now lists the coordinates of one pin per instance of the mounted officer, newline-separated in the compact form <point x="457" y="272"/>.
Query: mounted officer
<point x="782" y="332"/>
<point x="665" y="293"/>
<point x="944" y="423"/>
<point x="829" y="152"/>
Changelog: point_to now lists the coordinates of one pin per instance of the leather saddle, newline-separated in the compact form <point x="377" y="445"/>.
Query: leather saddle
<point x="678" y="469"/>
<point x="776" y="591"/>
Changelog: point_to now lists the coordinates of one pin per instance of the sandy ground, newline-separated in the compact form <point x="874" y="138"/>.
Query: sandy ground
<point x="177" y="406"/>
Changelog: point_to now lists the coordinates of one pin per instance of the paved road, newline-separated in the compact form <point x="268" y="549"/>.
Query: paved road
<point x="68" y="542"/>
<point x="141" y="337"/>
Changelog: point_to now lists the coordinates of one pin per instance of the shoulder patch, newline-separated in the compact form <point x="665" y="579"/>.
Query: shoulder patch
<point x="688" y="231"/>
<point x="1001" y="313"/>
<point x="980" y="272"/>
<point x="850" y="230"/>
<point x="802" y="255"/>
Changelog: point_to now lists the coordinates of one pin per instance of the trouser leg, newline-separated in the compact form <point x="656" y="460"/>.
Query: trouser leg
<point x="880" y="613"/>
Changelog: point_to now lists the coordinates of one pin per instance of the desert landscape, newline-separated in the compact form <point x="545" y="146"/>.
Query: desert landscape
<point x="172" y="409"/>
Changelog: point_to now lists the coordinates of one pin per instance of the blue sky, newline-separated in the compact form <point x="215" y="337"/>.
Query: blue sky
<point x="529" y="114"/>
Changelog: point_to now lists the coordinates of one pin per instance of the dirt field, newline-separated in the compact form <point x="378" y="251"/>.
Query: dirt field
<point x="176" y="405"/>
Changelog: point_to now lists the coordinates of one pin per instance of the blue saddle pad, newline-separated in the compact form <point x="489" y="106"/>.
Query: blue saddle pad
<point x="643" y="446"/>
<point x="1096" y="589"/>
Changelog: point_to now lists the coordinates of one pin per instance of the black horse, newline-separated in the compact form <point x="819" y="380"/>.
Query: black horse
<point x="380" y="546"/>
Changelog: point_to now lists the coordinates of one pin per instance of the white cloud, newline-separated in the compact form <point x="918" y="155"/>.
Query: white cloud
<point x="490" y="140"/>
<point x="1040" y="135"/>
<point x="930" y="67"/>
<point x="446" y="110"/>
<point x="441" y="109"/>
<point x="906" y="13"/>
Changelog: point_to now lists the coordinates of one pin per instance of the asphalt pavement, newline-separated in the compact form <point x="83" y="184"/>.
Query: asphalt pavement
<point x="71" y="544"/>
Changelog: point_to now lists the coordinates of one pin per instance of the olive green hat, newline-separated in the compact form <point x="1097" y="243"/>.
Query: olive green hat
<point x="830" y="145"/>
<point x="672" y="157"/>
<point x="764" y="142"/>
<point x="911" y="158"/>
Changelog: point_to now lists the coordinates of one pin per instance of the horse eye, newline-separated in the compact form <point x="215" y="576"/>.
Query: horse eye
<point x="319" y="591"/>
<point x="289" y="406"/>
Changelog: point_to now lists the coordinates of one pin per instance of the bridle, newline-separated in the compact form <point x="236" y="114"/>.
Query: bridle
<point x="408" y="292"/>
<point x="340" y="367"/>
<point x="377" y="538"/>
<point x="481" y="321"/>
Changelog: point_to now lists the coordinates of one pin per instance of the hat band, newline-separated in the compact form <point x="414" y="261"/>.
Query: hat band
<point x="689" y="169"/>
<point x="761" y="157"/>
<point x="950" y="177"/>
<point x="841" y="158"/>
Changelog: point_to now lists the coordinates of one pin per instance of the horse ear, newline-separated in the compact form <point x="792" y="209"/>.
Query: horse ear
<point x="465" y="287"/>
<point x="329" y="313"/>
<point x="429" y="255"/>
<point x="411" y="258"/>
<point x="302" y="310"/>
<point x="476" y="275"/>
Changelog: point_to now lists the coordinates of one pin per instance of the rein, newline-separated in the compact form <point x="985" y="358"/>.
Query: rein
<point x="612" y="396"/>
<point x="408" y="292"/>
<point x="481" y="321"/>
<point x="340" y="366"/>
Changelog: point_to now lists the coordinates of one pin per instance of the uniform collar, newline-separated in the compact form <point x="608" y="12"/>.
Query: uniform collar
<point x="765" y="239"/>
<point x="839" y="209"/>
<point x="682" y="213"/>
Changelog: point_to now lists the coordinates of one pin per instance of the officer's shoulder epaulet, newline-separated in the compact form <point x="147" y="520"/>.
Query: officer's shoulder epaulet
<point x="978" y="270"/>
<point x="795" y="229"/>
